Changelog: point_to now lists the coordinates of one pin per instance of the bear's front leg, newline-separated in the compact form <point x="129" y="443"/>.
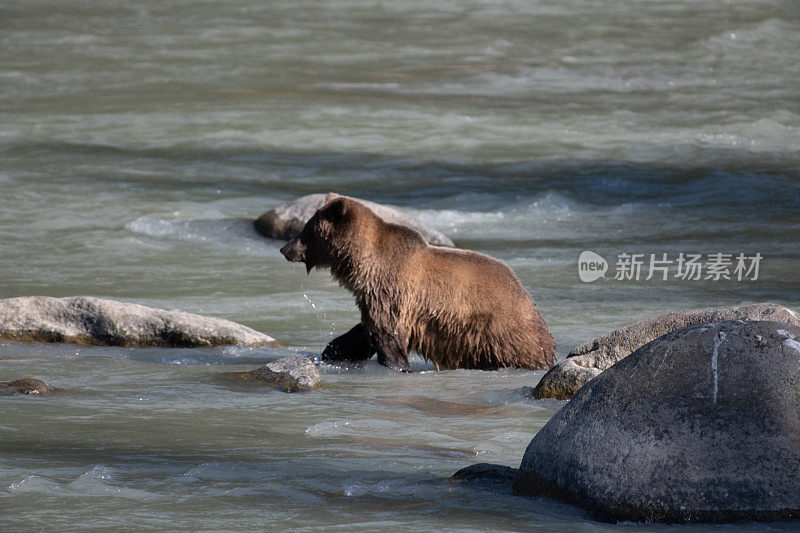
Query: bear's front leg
<point x="352" y="346"/>
<point x="392" y="352"/>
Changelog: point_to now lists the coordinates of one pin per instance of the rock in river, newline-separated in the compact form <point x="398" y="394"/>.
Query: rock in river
<point x="287" y="220"/>
<point x="95" y="321"/>
<point x="588" y="360"/>
<point x="702" y="424"/>
<point x="290" y="374"/>
<point x="25" y="386"/>
<point x="484" y="473"/>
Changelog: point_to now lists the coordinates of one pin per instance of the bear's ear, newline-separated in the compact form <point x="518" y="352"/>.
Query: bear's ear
<point x="336" y="209"/>
<point x="331" y="196"/>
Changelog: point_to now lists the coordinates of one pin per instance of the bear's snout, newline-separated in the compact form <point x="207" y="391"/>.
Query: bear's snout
<point x="294" y="251"/>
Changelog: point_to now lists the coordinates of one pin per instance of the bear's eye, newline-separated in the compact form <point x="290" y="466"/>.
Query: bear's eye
<point x="317" y="227"/>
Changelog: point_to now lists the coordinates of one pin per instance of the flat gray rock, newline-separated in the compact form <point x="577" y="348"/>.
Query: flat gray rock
<point x="702" y="424"/>
<point x="95" y="321"/>
<point x="287" y="220"/>
<point x="588" y="360"/>
<point x="29" y="386"/>
<point x="289" y="374"/>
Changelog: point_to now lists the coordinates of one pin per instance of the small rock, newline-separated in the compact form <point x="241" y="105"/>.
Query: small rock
<point x="701" y="424"/>
<point x="486" y="473"/>
<point x="588" y="360"/>
<point x="290" y="374"/>
<point x="287" y="220"/>
<point x="25" y="386"/>
<point x="95" y="321"/>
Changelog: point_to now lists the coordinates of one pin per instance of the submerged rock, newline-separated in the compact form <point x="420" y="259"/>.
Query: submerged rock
<point x="486" y="473"/>
<point x="25" y="386"/>
<point x="290" y="374"/>
<point x="95" y="321"/>
<point x="588" y="360"/>
<point x="702" y="424"/>
<point x="287" y="220"/>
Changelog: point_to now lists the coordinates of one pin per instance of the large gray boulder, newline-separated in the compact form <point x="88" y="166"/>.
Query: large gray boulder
<point x="289" y="374"/>
<point x="96" y="321"/>
<point x="702" y="424"/>
<point x="588" y="360"/>
<point x="287" y="220"/>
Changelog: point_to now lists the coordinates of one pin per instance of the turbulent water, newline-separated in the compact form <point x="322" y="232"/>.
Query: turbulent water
<point x="139" y="139"/>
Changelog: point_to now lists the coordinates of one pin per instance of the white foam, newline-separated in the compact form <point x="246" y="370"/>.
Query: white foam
<point x="503" y="444"/>
<point x="181" y="361"/>
<point x="152" y="226"/>
<point x="95" y="482"/>
<point x="362" y="427"/>
<point x="236" y="235"/>
<point x="354" y="489"/>
<point x="34" y="484"/>
<point x="327" y="428"/>
<point x="546" y="215"/>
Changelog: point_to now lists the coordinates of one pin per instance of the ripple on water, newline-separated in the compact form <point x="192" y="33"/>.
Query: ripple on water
<point x="35" y="484"/>
<point x="99" y="481"/>
<point x="343" y="426"/>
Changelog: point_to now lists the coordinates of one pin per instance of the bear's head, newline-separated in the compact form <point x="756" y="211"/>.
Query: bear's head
<point x="324" y="234"/>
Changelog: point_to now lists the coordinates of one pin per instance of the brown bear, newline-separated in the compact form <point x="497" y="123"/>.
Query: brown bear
<point x="457" y="308"/>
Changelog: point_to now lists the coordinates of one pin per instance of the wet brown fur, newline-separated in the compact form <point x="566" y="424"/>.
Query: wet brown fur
<point x="456" y="308"/>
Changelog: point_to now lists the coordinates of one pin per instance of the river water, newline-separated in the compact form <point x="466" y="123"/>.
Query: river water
<point x="139" y="139"/>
